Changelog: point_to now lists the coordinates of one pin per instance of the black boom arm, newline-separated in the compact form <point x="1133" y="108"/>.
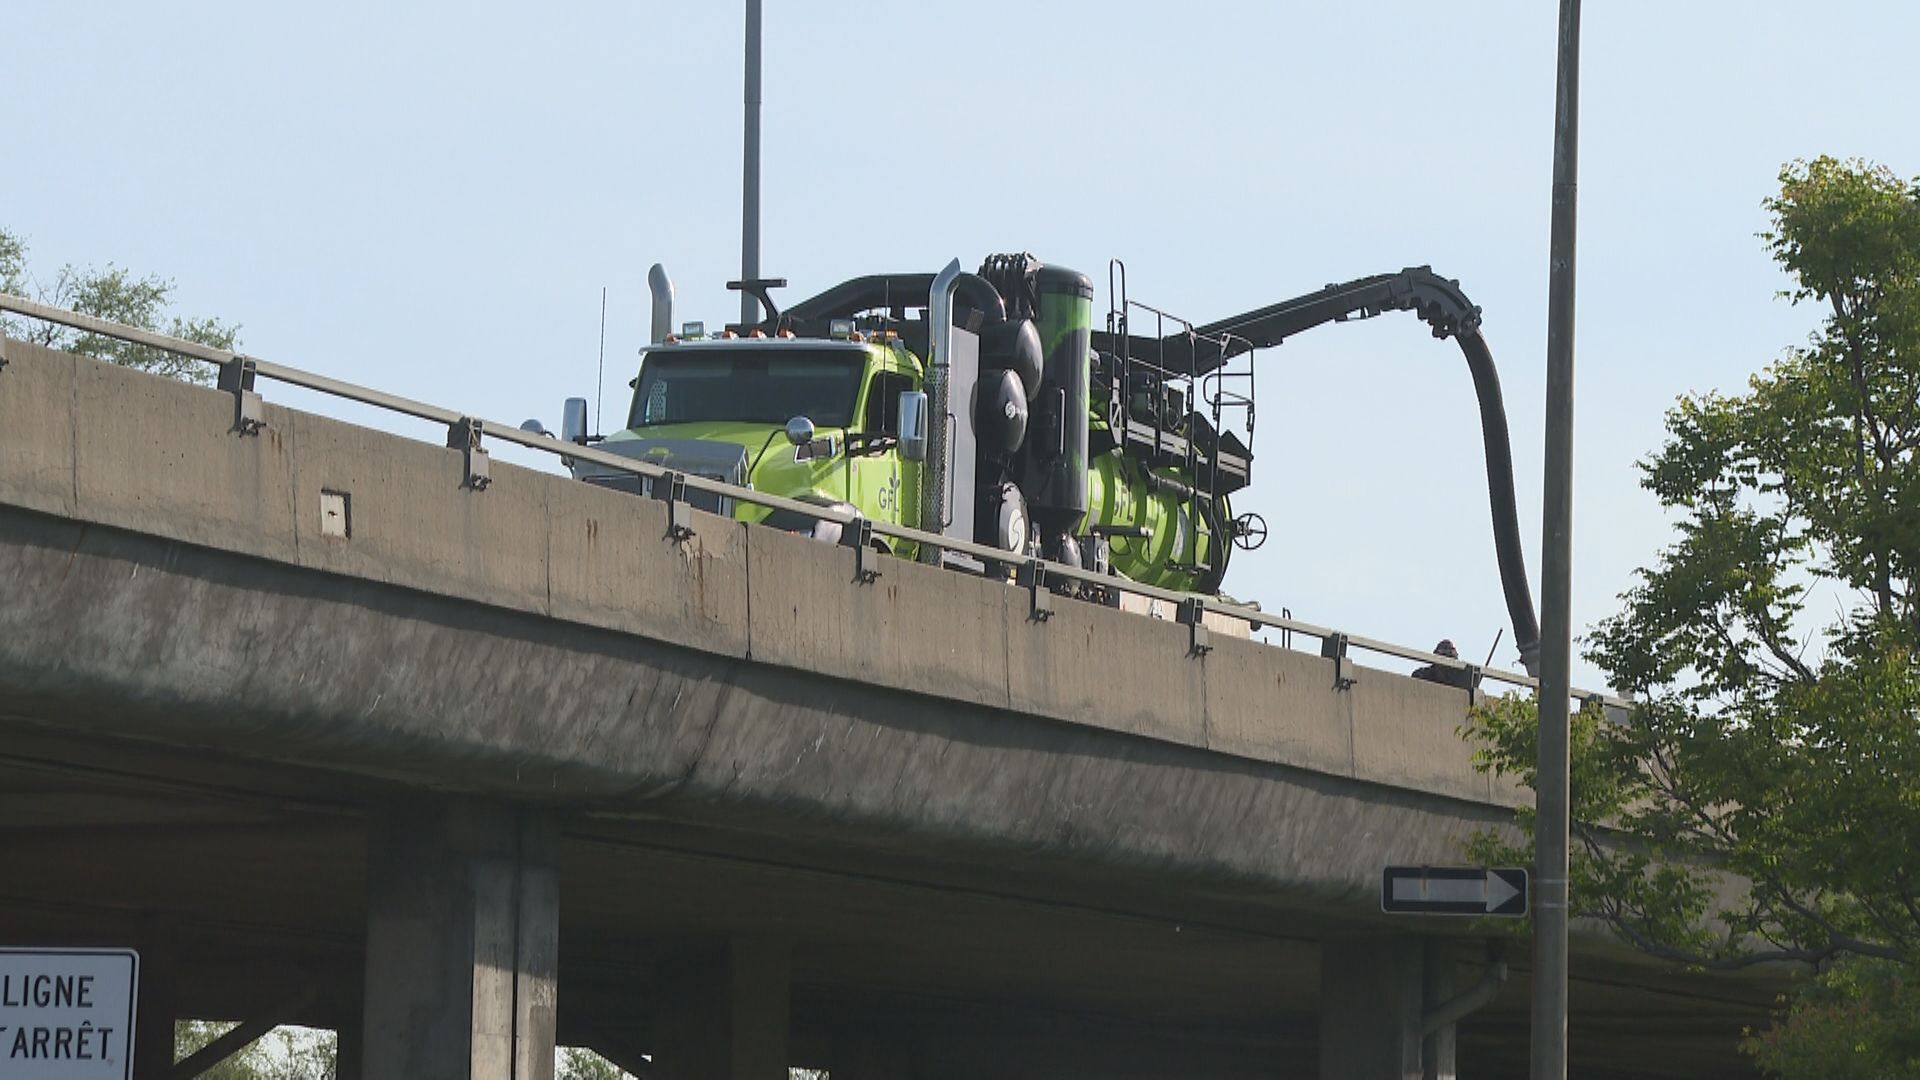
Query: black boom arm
<point x="1437" y="301"/>
<point x="1441" y="305"/>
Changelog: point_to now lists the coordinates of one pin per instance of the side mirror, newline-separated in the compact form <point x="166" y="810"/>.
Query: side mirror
<point x="821" y="449"/>
<point x="799" y="431"/>
<point x="913" y="425"/>
<point x="573" y="421"/>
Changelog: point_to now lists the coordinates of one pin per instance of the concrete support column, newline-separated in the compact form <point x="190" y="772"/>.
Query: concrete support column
<point x="463" y="925"/>
<point x="1375" y="994"/>
<point x="349" y="1050"/>
<point x="869" y="1055"/>
<point x="1437" y="1049"/>
<point x="155" y="1010"/>
<point x="723" y="1014"/>
<point x="347" y="1003"/>
<point x="1371" y="1002"/>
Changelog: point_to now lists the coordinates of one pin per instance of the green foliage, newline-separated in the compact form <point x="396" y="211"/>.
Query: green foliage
<point x="13" y="264"/>
<point x="284" y="1053"/>
<point x="578" y="1063"/>
<point x="1651" y="888"/>
<point x="1857" y="1021"/>
<point x="1761" y="801"/>
<point x="112" y="293"/>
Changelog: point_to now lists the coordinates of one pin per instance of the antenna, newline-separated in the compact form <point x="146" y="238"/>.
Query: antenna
<point x="600" y="384"/>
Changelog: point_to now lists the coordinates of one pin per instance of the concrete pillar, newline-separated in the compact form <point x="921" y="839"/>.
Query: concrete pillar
<point x="349" y="1051"/>
<point x="1437" y="1049"/>
<point x="723" y="1014"/>
<point x="871" y="1055"/>
<point x="347" y="1004"/>
<point x="1371" y="998"/>
<point x="463" y="926"/>
<point x="156" y="1008"/>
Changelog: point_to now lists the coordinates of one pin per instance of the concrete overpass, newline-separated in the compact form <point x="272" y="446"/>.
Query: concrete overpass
<point x="337" y="738"/>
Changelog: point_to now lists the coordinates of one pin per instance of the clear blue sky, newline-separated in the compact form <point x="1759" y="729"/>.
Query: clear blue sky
<point x="430" y="198"/>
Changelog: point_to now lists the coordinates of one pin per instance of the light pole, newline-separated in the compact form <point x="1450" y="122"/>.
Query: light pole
<point x="750" y="173"/>
<point x="1549" y="1056"/>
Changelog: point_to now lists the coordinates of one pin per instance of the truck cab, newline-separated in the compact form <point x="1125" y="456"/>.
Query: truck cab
<point x="813" y="419"/>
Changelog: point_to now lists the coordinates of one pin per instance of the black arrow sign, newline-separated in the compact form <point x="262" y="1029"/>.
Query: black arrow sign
<point x="1454" y="890"/>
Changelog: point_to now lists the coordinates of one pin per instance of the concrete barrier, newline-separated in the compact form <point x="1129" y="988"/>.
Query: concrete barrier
<point x="36" y="420"/>
<point x="909" y="630"/>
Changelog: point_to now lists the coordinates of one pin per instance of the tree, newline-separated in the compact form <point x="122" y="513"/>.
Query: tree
<point x="579" y="1063"/>
<point x="113" y="293"/>
<point x="1762" y="802"/>
<point x="1858" y="1021"/>
<point x="285" y="1053"/>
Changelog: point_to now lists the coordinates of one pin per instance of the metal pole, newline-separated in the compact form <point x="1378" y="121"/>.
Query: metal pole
<point x="1549" y="1057"/>
<point x="933" y="475"/>
<point x="750" y="178"/>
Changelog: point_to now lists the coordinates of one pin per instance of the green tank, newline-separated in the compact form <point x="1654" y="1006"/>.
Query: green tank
<point x="1154" y="535"/>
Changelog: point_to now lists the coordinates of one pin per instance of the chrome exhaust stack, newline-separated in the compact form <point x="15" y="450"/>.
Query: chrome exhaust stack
<point x="933" y="489"/>
<point x="662" y="288"/>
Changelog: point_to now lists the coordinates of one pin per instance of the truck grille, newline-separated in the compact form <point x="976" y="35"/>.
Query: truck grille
<point x="709" y="501"/>
<point x="722" y="461"/>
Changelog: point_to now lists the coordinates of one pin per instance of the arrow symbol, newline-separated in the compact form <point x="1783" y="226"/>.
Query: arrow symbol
<point x="1454" y="890"/>
<point x="1500" y="890"/>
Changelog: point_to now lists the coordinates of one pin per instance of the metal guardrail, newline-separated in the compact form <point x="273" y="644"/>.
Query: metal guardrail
<point x="239" y="371"/>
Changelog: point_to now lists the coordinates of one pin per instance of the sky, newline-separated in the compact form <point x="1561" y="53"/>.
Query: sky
<point x="430" y="199"/>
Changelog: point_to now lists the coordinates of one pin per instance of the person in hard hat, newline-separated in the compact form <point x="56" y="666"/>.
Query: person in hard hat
<point x="1441" y="673"/>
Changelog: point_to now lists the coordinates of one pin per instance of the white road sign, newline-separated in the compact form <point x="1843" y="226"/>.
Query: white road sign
<point x="67" y="1014"/>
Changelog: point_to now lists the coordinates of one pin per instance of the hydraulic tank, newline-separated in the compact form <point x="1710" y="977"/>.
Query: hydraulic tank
<point x="1158" y="534"/>
<point x="1054" y="467"/>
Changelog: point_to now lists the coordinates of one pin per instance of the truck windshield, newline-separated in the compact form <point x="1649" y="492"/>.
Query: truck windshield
<point x="762" y="385"/>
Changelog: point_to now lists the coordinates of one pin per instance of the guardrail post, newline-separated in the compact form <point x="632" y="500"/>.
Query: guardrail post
<point x="859" y="536"/>
<point x="1033" y="576"/>
<point x="1473" y="685"/>
<point x="236" y="378"/>
<point x="671" y="488"/>
<point x="1334" y="647"/>
<point x="1193" y="612"/>
<point x="464" y="435"/>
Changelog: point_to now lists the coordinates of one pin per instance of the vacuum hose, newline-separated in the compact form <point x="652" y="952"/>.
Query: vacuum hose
<point x="1506" y="519"/>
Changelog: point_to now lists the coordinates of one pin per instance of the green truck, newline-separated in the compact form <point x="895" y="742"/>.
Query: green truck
<point x="987" y="406"/>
